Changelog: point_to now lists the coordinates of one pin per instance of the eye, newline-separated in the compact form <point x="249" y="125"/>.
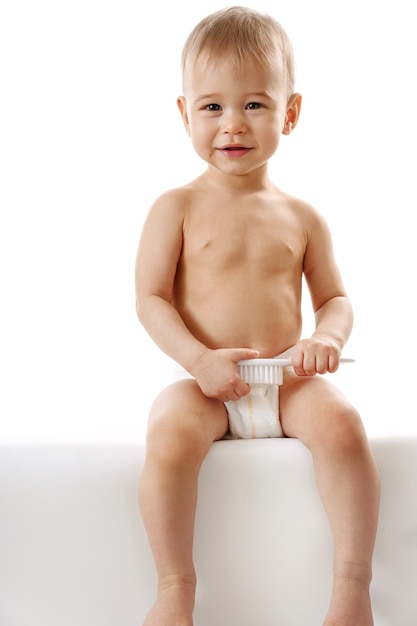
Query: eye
<point x="213" y="107"/>
<point x="252" y="106"/>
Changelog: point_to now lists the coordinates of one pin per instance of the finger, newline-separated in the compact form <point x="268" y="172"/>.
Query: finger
<point x="242" y="388"/>
<point x="334" y="361"/>
<point x="297" y="363"/>
<point x="308" y="365"/>
<point x="299" y="369"/>
<point x="322" y="363"/>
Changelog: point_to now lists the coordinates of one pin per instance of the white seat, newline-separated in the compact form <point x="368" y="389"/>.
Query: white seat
<point x="73" y="550"/>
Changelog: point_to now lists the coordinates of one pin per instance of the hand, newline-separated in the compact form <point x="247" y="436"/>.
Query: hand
<point x="317" y="355"/>
<point x="217" y="374"/>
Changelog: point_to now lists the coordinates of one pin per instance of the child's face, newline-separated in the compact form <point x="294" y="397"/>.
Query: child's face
<point x="235" y="115"/>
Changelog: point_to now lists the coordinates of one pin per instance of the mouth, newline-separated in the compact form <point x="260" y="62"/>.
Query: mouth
<point x="234" y="146"/>
<point x="235" y="150"/>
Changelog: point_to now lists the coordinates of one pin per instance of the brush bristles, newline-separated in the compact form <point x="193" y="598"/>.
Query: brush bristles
<point x="261" y="374"/>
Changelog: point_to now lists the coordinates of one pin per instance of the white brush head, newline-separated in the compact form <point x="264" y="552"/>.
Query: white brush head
<point x="262" y="371"/>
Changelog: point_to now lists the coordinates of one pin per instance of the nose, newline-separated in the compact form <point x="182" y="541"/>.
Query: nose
<point x="233" y="122"/>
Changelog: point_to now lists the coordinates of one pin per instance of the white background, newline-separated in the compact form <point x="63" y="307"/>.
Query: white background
<point x="90" y="136"/>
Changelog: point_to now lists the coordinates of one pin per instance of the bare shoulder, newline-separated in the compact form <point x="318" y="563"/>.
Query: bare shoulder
<point x="173" y="203"/>
<point x="161" y="239"/>
<point x="305" y="210"/>
<point x="312" y="220"/>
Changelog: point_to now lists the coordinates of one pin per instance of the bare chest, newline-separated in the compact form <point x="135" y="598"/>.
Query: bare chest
<point x="262" y="241"/>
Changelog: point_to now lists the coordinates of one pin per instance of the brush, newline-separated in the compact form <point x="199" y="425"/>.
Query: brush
<point x="267" y="371"/>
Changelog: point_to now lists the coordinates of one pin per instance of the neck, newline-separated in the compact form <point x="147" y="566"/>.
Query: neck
<point x="257" y="180"/>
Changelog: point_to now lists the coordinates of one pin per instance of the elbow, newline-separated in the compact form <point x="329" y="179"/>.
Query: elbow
<point x="140" y="310"/>
<point x="338" y="301"/>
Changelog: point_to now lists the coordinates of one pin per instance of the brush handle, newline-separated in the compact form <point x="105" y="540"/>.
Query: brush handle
<point x="282" y="362"/>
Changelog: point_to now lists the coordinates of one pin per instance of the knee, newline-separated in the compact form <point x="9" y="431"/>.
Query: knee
<point x="175" y="439"/>
<point x="342" y="431"/>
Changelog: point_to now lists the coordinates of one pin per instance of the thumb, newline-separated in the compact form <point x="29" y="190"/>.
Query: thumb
<point x="241" y="354"/>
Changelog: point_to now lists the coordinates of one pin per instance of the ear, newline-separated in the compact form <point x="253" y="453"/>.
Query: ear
<point x="182" y="106"/>
<point x="292" y="114"/>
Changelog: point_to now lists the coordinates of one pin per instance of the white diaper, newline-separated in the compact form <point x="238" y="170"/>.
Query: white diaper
<point x="257" y="415"/>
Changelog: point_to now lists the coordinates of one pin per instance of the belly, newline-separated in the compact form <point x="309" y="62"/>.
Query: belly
<point x="264" y="318"/>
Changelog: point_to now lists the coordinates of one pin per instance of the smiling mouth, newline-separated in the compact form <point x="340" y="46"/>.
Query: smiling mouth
<point x="235" y="150"/>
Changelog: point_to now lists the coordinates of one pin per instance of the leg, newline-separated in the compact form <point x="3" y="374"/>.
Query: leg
<point x="315" y="412"/>
<point x="182" y="427"/>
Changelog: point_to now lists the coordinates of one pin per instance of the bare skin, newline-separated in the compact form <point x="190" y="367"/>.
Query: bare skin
<point x="218" y="279"/>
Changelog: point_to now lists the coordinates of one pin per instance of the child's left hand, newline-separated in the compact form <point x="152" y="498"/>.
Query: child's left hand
<point x="317" y="355"/>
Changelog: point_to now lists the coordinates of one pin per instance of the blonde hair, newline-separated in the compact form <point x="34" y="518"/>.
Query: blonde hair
<point x="241" y="33"/>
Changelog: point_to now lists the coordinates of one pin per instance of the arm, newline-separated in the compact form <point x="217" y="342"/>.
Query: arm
<point x="156" y="263"/>
<point x="158" y="254"/>
<point x="333" y="312"/>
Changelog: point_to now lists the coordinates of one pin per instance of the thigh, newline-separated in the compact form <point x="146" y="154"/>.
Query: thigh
<point x="182" y="407"/>
<point x="311" y="407"/>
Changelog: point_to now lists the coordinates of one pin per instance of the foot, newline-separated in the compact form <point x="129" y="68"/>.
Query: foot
<point x="174" y="605"/>
<point x="350" y="604"/>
